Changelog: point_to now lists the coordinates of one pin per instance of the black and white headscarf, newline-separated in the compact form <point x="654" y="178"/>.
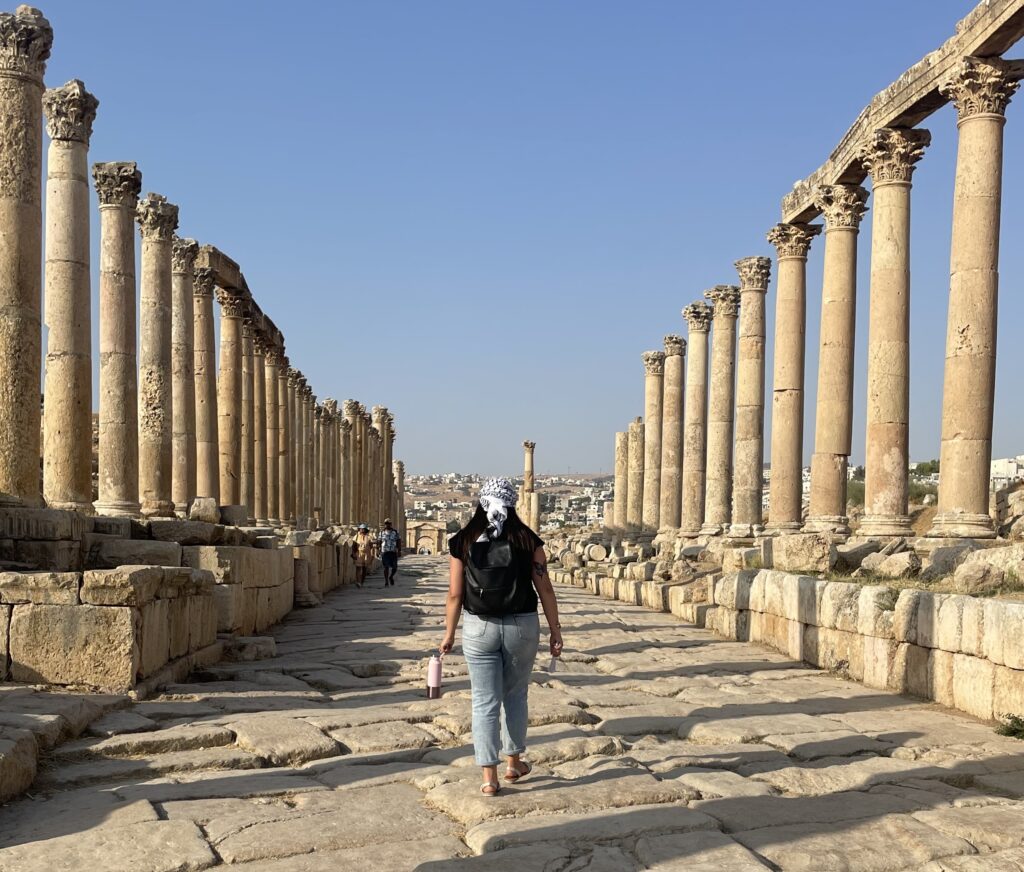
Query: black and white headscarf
<point x="497" y="496"/>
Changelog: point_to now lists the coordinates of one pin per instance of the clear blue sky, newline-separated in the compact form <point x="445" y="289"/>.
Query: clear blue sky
<point x="481" y="214"/>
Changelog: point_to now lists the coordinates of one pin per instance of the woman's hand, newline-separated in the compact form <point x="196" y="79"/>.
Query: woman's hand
<point x="556" y="643"/>
<point x="447" y="643"/>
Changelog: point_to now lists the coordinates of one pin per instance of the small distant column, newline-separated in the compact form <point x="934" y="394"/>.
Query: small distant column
<point x="843" y="206"/>
<point x="247" y="493"/>
<point x="229" y="395"/>
<point x="654" y="376"/>
<point x="259" y="405"/>
<point x="67" y="412"/>
<point x="24" y="48"/>
<point x="748" y="464"/>
<point x="299" y="456"/>
<point x="205" y="374"/>
<point x="158" y="220"/>
<point x="118" y="186"/>
<point x="272" y="368"/>
<point x="330" y="485"/>
<point x="347" y="509"/>
<point x="785" y="502"/>
<point x="284" y="447"/>
<point x="725" y="304"/>
<point x="698" y="317"/>
<point x="183" y="387"/>
<point x="635" y="481"/>
<point x="310" y="455"/>
<point x="400" y="488"/>
<point x="319" y="429"/>
<point x="672" y="434"/>
<point x="528" y="474"/>
<point x="621" y="479"/>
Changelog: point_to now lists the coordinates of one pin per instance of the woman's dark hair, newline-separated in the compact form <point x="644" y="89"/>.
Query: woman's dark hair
<point x="518" y="534"/>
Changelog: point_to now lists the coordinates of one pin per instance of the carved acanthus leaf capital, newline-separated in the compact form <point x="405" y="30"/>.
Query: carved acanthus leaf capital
<point x="654" y="362"/>
<point x="698" y="317"/>
<point x="890" y="154"/>
<point x="350" y="408"/>
<point x="379" y="414"/>
<point x="202" y="281"/>
<point x="157" y="218"/>
<point x="674" y="345"/>
<point x="842" y="205"/>
<point x="183" y="254"/>
<point x="232" y="304"/>
<point x="528" y="445"/>
<point x="331" y="405"/>
<point x="70" y="112"/>
<point x="261" y="343"/>
<point x="25" y="42"/>
<point x="725" y="300"/>
<point x="118" y="183"/>
<point x="754" y="272"/>
<point x="980" y="86"/>
<point x="793" y="240"/>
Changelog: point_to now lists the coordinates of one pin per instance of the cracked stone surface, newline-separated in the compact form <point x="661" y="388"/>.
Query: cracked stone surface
<point x="656" y="746"/>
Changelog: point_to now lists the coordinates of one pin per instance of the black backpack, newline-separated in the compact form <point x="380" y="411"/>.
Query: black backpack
<point x="492" y="580"/>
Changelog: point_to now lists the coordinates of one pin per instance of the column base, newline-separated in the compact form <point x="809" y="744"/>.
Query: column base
<point x="158" y="509"/>
<point x="713" y="529"/>
<point x="745" y="531"/>
<point x="828" y="524"/>
<point x="689" y="534"/>
<point x="118" y="509"/>
<point x="783" y="528"/>
<point x="83" y="508"/>
<point x="891" y="526"/>
<point x="962" y="525"/>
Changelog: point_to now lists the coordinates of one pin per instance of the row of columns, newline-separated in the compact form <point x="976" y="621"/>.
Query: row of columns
<point x="173" y="423"/>
<point x="721" y="469"/>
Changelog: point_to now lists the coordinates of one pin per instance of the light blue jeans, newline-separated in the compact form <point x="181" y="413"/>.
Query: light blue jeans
<point x="500" y="653"/>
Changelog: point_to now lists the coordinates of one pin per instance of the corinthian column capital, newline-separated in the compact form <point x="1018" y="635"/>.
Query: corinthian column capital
<point x="654" y="362"/>
<point x="674" y="345"/>
<point x="70" y="112"/>
<point x="793" y="240"/>
<point x="232" y="305"/>
<point x="981" y="86"/>
<point x="25" y="42"/>
<point x="183" y="254"/>
<point x="118" y="183"/>
<point x="157" y="218"/>
<point x="725" y="300"/>
<point x="754" y="273"/>
<point x="842" y="205"/>
<point x="698" y="317"/>
<point x="890" y="154"/>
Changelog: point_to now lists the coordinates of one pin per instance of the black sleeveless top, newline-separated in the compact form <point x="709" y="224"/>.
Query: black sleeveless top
<point x="502" y="566"/>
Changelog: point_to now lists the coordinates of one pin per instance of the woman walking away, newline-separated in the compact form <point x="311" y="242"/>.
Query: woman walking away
<point x="498" y="570"/>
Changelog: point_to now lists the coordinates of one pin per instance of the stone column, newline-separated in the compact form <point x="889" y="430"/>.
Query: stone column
<point x="67" y="410"/>
<point x="379" y="417"/>
<point x="330" y="458"/>
<point x="24" y="48"/>
<point x="785" y="502"/>
<point x="672" y="434"/>
<point x="698" y="317"/>
<point x="158" y="220"/>
<point x="118" y="186"/>
<point x="528" y="475"/>
<point x="205" y="368"/>
<point x="229" y="395"/>
<point x="399" y="518"/>
<point x="748" y="464"/>
<point x="247" y="492"/>
<point x="889" y="159"/>
<point x="365" y="448"/>
<point x="183" y="385"/>
<point x="980" y="90"/>
<point x="259" y="405"/>
<point x="725" y="304"/>
<point x="284" y="444"/>
<point x="654" y="377"/>
<point x="635" y="479"/>
<point x="347" y="436"/>
<point x="621" y="479"/>
<point x="272" y="378"/>
<point x="311" y="473"/>
<point x="299" y="442"/>
<point x="843" y="207"/>
<point x="388" y="465"/>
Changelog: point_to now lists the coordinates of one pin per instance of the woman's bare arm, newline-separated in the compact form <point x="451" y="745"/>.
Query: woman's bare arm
<point x="542" y="583"/>
<point x="453" y="605"/>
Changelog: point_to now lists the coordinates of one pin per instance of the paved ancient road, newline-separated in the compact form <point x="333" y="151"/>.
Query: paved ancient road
<point x="657" y="747"/>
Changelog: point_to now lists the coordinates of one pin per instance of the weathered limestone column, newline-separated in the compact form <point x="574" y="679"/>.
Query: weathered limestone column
<point x="698" y="317"/>
<point x="365" y="449"/>
<point x="158" y="220"/>
<point x="843" y="207"/>
<point x="672" y="434"/>
<point x="330" y="458"/>
<point x="67" y="410"/>
<point x="621" y="479"/>
<point x="785" y="501"/>
<point x="980" y="90"/>
<point x="284" y="445"/>
<point x="654" y="378"/>
<point x="319" y="429"/>
<point x="725" y="304"/>
<point x="748" y="464"/>
<point x="388" y="465"/>
<point x="528" y="475"/>
<point x="299" y="441"/>
<point x="118" y="186"/>
<point x="247" y="456"/>
<point x="347" y="509"/>
<point x="310" y="454"/>
<point x="205" y="368"/>
<point x="380" y="424"/>
<point x="259" y="404"/>
<point x="399" y="518"/>
<point x="635" y="480"/>
<point x="24" y="48"/>
<point x="183" y="385"/>
<point x="272" y="364"/>
<point x="889" y="159"/>
<point x="229" y="395"/>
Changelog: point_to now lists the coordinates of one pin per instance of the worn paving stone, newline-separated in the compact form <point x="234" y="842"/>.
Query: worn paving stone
<point x="397" y="856"/>
<point x="696" y="852"/>
<point x="282" y="740"/>
<point x="387" y="736"/>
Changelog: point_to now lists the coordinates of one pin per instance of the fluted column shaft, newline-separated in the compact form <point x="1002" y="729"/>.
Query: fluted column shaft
<point x="672" y="433"/>
<point x="183" y="387"/>
<point x="654" y="378"/>
<point x="635" y="481"/>
<point x="272" y="363"/>
<point x="67" y="413"/>
<point x="229" y="396"/>
<point x="205" y="369"/>
<point x="698" y="316"/>
<point x="621" y="479"/>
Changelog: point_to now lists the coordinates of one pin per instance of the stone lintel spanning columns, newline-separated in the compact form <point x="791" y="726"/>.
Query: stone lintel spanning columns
<point x="654" y="378"/>
<point x="980" y="89"/>
<point x="785" y="503"/>
<point x="67" y="413"/>
<point x="118" y="185"/>
<point x="843" y="207"/>
<point x="889" y="158"/>
<point x="24" y="49"/>
<point x="233" y="309"/>
<point x="272" y="367"/>
<point x="672" y="433"/>
<point x="158" y="220"/>
<point x="183" y="385"/>
<point x="260" y="346"/>
<point x="725" y="305"/>
<point x="247" y="456"/>
<point x="698" y="317"/>
<point x="748" y="465"/>
<point x="205" y="375"/>
<point x="635" y="481"/>
<point x="621" y="479"/>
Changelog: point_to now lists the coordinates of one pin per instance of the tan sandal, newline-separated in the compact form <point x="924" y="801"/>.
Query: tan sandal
<point x="490" y="788"/>
<point x="517" y="773"/>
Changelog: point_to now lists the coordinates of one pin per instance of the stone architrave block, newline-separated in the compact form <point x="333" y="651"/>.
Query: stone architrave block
<point x="52" y="555"/>
<point x="155" y="638"/>
<point x="123" y="586"/>
<point x="84" y="644"/>
<point x="54" y="588"/>
<point x="973" y="685"/>
<point x="804" y="552"/>
<point x="185" y="532"/>
<point x="875" y="611"/>
<point x="36" y="524"/>
<point x="840" y="606"/>
<point x="112" y="553"/>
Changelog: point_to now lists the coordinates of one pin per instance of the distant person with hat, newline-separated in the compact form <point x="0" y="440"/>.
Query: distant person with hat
<point x="389" y="550"/>
<point x="363" y="549"/>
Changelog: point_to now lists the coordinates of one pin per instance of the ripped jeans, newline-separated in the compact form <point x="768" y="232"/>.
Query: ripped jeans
<point x="500" y="653"/>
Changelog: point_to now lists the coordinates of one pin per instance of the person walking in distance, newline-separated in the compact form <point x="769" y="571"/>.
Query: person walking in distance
<point x="389" y="550"/>
<point x="498" y="572"/>
<point x="362" y="552"/>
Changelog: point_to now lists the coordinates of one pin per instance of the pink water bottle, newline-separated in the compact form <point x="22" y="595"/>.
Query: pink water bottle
<point x="434" y="678"/>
